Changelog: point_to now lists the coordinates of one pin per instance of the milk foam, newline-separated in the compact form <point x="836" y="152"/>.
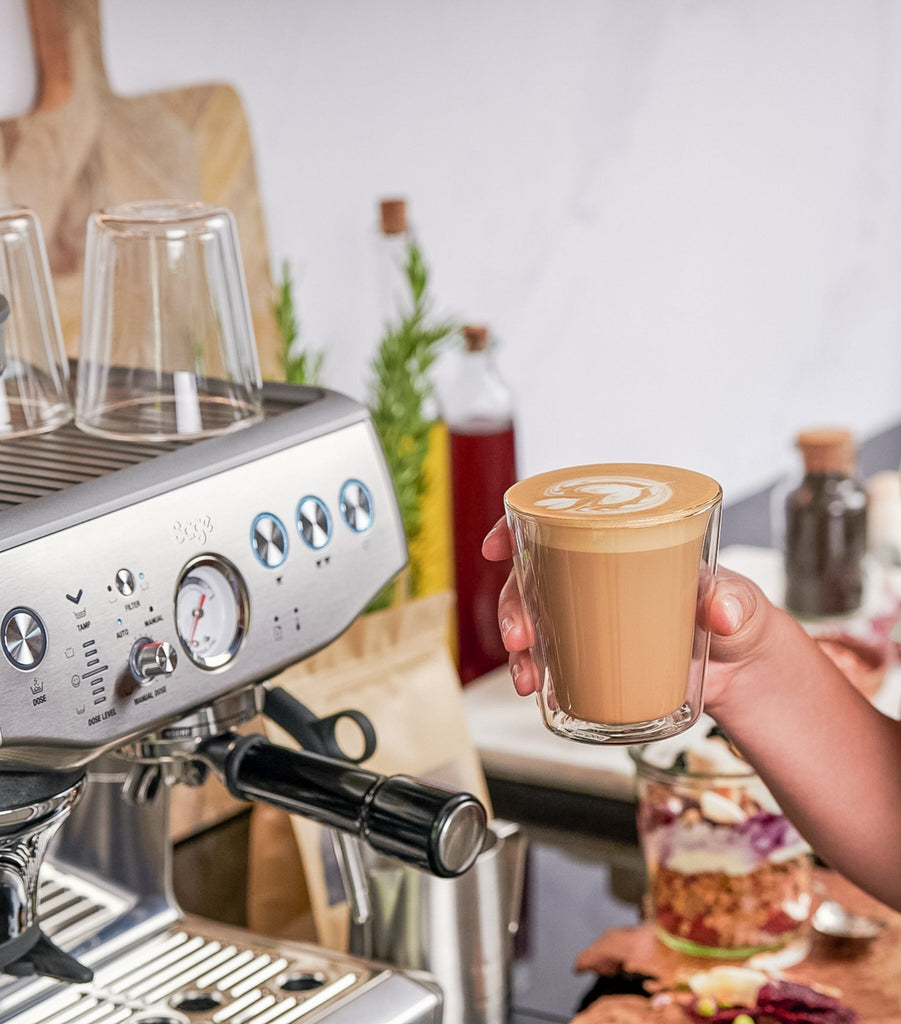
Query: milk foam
<point x="612" y="507"/>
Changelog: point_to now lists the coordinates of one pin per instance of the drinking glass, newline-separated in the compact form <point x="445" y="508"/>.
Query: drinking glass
<point x="34" y="386"/>
<point x="167" y="343"/>
<point x="612" y="562"/>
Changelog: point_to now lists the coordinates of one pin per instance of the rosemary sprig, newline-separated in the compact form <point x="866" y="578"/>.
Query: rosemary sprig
<point x="298" y="367"/>
<point x="399" y="393"/>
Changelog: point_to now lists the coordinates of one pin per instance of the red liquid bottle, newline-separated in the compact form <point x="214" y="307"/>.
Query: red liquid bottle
<point x="478" y="410"/>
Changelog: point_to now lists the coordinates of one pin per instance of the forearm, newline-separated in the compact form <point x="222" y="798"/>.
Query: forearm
<point x="831" y="760"/>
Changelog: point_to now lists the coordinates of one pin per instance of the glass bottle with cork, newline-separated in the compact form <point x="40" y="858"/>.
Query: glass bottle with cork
<point x="826" y="529"/>
<point x="393" y="238"/>
<point x="478" y="408"/>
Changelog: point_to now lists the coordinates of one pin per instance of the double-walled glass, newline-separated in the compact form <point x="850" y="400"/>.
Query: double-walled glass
<point x="34" y="387"/>
<point x="728" y="874"/>
<point x="167" y="344"/>
<point x="612" y="562"/>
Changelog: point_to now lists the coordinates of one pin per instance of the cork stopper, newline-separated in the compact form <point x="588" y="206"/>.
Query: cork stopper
<point x="827" y="450"/>
<point x="394" y="216"/>
<point x="476" y="337"/>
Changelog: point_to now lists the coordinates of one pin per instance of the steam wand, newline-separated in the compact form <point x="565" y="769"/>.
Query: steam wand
<point x="319" y="736"/>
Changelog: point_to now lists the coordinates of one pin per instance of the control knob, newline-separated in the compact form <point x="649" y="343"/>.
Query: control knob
<point x="150" y="659"/>
<point x="23" y="638"/>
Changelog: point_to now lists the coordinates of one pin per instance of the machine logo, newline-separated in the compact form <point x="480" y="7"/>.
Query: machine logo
<point x="197" y="529"/>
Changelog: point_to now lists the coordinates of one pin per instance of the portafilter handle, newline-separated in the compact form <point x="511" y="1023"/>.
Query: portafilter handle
<point x="437" y="829"/>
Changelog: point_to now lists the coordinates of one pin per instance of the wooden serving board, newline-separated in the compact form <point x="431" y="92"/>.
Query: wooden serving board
<point x="865" y="978"/>
<point x="81" y="148"/>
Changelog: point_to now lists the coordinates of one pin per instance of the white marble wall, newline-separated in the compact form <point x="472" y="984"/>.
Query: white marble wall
<point x="682" y="218"/>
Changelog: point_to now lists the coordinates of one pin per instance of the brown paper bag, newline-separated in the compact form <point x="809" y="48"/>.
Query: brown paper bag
<point x="394" y="666"/>
<point x="278" y="903"/>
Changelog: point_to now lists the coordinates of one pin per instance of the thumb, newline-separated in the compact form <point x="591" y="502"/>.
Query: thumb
<point x="736" y="614"/>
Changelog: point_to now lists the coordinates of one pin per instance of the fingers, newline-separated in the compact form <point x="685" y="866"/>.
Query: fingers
<point x="498" y="544"/>
<point x="515" y="626"/>
<point x="736" y="614"/>
<point x="524" y="673"/>
<point x="732" y="604"/>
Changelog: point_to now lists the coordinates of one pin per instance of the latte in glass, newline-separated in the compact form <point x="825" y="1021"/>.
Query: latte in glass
<point x="611" y="561"/>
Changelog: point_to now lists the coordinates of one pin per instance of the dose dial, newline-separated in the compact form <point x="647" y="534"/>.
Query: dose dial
<point x="211" y="611"/>
<point x="23" y="638"/>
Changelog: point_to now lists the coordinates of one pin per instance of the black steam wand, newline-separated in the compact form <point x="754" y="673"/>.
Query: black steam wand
<point x="319" y="735"/>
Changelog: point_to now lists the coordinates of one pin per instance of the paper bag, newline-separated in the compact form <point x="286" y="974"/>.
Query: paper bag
<point x="395" y="667"/>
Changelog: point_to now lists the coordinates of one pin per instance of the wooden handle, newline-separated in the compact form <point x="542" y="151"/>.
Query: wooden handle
<point x="56" y="25"/>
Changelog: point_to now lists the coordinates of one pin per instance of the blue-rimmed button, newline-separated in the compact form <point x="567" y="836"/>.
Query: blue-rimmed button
<point x="356" y="506"/>
<point x="269" y="539"/>
<point x="314" y="522"/>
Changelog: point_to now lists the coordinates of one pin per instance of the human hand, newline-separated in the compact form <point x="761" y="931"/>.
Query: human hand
<point x="735" y="611"/>
<point x="514" y="623"/>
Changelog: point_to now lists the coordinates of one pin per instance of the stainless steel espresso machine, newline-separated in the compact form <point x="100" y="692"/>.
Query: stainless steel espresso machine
<point x="148" y="594"/>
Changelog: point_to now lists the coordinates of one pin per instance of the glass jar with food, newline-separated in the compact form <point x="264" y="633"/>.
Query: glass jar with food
<point x="728" y="874"/>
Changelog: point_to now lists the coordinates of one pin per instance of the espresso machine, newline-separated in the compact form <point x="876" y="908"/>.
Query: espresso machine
<point x="151" y="593"/>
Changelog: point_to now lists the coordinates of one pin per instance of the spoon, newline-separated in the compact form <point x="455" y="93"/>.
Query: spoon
<point x="837" y="922"/>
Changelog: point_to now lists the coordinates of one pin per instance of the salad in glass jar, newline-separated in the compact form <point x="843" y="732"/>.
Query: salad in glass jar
<point x="728" y="874"/>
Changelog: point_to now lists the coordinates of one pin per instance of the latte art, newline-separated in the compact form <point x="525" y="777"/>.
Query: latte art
<point x="605" y="495"/>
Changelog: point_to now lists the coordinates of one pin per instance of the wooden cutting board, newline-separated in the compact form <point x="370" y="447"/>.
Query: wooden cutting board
<point x="82" y="148"/>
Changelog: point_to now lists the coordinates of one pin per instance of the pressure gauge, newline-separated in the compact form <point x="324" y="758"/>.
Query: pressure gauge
<point x="211" y="611"/>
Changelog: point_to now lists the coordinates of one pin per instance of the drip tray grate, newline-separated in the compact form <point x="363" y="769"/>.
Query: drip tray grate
<point x="72" y="909"/>
<point x="186" y="976"/>
<point x="191" y="971"/>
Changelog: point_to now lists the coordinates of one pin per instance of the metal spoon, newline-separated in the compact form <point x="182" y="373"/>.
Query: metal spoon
<point x="837" y="922"/>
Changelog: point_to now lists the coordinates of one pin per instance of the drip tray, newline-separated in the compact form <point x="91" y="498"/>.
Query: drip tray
<point x="73" y="909"/>
<point x="195" y="971"/>
<point x="225" y="976"/>
<point x="185" y="975"/>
